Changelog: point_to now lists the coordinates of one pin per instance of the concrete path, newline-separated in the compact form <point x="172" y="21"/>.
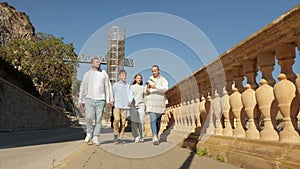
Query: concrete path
<point x="65" y="149"/>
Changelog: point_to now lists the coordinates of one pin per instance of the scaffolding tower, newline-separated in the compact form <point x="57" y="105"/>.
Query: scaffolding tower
<point x="116" y="52"/>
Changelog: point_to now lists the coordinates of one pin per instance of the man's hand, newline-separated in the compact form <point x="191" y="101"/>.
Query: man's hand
<point x="153" y="86"/>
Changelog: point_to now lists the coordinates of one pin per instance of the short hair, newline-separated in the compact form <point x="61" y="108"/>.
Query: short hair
<point x="155" y="66"/>
<point x="94" y="59"/>
<point x="122" y="71"/>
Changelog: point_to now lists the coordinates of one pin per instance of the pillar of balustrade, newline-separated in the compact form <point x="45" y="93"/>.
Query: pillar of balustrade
<point x="216" y="106"/>
<point x="285" y="93"/>
<point x="238" y="78"/>
<point x="183" y="115"/>
<point x="197" y="112"/>
<point x="175" y="116"/>
<point x="187" y="126"/>
<point x="210" y="128"/>
<point x="165" y="120"/>
<point x="250" y="71"/>
<point x="193" y="121"/>
<point x="190" y="114"/>
<point x="202" y="110"/>
<point x="266" y="63"/>
<point x="285" y="54"/>
<point x="180" y="120"/>
<point x="229" y="83"/>
<point x="225" y="106"/>
<point x="249" y="103"/>
<point x="235" y="100"/>
<point x="266" y="101"/>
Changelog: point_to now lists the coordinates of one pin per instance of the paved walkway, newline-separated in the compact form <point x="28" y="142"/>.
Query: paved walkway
<point x="65" y="149"/>
<point x="167" y="155"/>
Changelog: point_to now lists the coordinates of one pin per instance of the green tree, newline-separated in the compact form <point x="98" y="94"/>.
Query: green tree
<point x="43" y="58"/>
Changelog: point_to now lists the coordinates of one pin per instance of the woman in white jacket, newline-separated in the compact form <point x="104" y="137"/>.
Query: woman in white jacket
<point x="156" y="100"/>
<point x="138" y="109"/>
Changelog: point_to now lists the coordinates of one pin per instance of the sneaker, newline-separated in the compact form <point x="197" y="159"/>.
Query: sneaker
<point x="155" y="140"/>
<point x="121" y="140"/>
<point x="96" y="140"/>
<point x="137" y="139"/>
<point x="142" y="139"/>
<point x="116" y="139"/>
<point x="88" y="137"/>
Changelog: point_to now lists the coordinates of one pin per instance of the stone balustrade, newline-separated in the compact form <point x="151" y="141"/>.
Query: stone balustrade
<point x="228" y="98"/>
<point x="240" y="109"/>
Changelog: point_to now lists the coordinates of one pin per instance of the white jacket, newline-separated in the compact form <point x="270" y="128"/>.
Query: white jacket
<point x="156" y="99"/>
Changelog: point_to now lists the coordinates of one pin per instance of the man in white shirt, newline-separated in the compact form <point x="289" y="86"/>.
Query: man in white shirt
<point x="94" y="92"/>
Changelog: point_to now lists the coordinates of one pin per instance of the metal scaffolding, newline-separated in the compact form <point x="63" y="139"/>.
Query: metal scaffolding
<point x="116" y="52"/>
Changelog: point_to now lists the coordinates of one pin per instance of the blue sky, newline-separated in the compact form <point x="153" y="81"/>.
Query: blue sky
<point x="224" y="24"/>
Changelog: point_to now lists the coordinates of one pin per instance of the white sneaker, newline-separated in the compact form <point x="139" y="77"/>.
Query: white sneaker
<point x="88" y="137"/>
<point x="137" y="139"/>
<point x="155" y="140"/>
<point x="96" y="140"/>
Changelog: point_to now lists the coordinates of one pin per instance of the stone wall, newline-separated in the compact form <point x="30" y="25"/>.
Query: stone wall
<point x="21" y="111"/>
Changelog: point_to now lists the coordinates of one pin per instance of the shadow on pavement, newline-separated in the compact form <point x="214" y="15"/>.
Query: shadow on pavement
<point x="188" y="161"/>
<point x="38" y="137"/>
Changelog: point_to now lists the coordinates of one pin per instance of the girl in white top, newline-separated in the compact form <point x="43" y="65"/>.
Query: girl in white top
<point x="138" y="109"/>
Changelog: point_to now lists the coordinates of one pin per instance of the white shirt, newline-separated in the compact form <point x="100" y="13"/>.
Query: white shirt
<point x="95" y="85"/>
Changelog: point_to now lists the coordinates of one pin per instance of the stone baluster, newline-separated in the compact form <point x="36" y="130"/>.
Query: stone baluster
<point x="163" y="122"/>
<point x="183" y="116"/>
<point x="197" y="112"/>
<point x="238" y="78"/>
<point x="193" y="121"/>
<point x="266" y="62"/>
<point x="187" y="116"/>
<point x="210" y="128"/>
<point x="179" y="117"/>
<point x="285" y="93"/>
<point x="179" y="122"/>
<point x="298" y="85"/>
<point x="250" y="71"/>
<point x="266" y="100"/>
<point x="249" y="103"/>
<point x="235" y="100"/>
<point x="216" y="106"/>
<point x="202" y="110"/>
<point x="285" y="54"/>
<point x="176" y="117"/>
<point x="225" y="106"/>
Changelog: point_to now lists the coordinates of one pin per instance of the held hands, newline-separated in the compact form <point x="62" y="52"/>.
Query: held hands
<point x="111" y="104"/>
<point x="80" y="105"/>
<point x="129" y="103"/>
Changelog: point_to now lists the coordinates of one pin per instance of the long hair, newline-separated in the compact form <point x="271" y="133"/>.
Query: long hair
<point x="134" y="81"/>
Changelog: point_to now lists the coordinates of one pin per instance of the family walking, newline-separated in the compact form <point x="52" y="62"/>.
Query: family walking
<point x="134" y="101"/>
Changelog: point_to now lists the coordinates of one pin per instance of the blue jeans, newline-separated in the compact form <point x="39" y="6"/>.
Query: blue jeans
<point x="94" y="110"/>
<point x="155" y="119"/>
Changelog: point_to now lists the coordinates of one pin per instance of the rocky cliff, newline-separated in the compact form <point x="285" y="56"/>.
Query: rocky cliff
<point x="14" y="24"/>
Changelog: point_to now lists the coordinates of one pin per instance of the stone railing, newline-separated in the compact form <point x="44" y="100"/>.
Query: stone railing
<point x="266" y="110"/>
<point x="21" y="111"/>
<point x="238" y="104"/>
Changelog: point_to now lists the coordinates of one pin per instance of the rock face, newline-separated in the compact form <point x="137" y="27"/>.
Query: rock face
<point x="14" y="24"/>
